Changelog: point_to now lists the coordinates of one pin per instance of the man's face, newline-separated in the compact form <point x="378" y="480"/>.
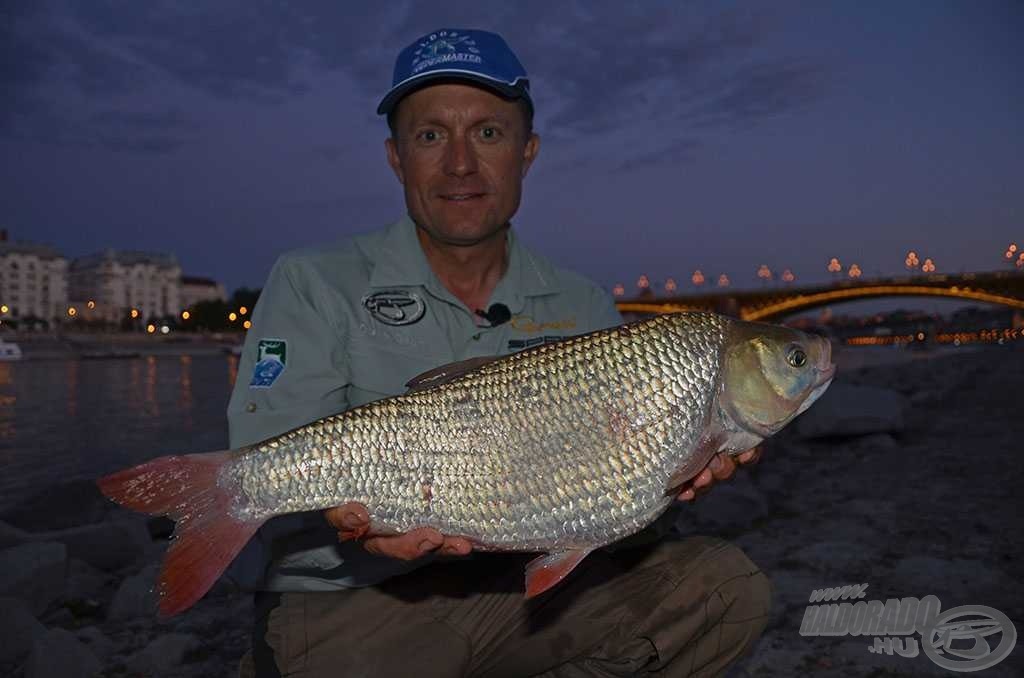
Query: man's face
<point x="461" y="154"/>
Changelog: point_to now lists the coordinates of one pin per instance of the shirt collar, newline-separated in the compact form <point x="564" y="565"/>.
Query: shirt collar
<point x="401" y="263"/>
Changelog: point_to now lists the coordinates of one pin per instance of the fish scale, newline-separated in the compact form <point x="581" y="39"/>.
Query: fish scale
<point x="606" y="418"/>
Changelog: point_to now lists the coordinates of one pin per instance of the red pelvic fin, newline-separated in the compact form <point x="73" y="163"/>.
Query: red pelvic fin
<point x="544" y="572"/>
<point x="207" y="536"/>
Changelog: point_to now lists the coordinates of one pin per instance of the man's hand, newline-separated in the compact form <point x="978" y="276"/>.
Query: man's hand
<point x="721" y="467"/>
<point x="353" y="522"/>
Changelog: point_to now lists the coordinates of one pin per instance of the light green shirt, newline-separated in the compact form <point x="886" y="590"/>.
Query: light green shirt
<point x="352" y="323"/>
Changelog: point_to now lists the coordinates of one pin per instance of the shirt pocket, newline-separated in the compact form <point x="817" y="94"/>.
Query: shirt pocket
<point x="379" y="372"/>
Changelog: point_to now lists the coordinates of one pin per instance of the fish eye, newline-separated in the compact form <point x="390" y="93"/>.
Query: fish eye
<point x="796" y="357"/>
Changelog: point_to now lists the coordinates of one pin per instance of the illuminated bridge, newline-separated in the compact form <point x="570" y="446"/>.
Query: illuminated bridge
<point x="999" y="287"/>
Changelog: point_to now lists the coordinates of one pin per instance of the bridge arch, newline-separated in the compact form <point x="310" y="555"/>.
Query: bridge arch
<point x="806" y="302"/>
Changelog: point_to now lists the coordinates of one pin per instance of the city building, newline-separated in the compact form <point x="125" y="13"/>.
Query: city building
<point x="120" y="281"/>
<point x="33" y="282"/>
<point x="195" y="289"/>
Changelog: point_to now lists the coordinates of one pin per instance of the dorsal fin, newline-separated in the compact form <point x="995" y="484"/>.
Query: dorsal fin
<point x="445" y="373"/>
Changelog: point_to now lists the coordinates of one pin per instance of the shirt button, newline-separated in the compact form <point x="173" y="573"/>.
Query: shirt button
<point x="250" y="407"/>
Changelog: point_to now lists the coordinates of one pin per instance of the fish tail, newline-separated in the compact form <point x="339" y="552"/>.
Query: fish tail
<point x="207" y="535"/>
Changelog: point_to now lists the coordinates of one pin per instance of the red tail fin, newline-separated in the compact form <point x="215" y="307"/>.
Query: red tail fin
<point x="207" y="536"/>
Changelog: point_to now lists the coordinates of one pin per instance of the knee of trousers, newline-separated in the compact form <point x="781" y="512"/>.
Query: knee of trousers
<point x="716" y="567"/>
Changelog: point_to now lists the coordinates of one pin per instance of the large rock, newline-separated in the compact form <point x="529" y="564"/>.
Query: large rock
<point x="58" y="507"/>
<point x="109" y="545"/>
<point x="34" y="572"/>
<point x="851" y="410"/>
<point x="12" y="536"/>
<point x="59" y="653"/>
<point x="136" y="597"/>
<point x="99" y="644"/>
<point x="19" y="629"/>
<point x="164" y="655"/>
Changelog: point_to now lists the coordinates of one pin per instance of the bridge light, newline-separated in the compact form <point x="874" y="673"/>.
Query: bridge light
<point x="643" y="282"/>
<point x="834" y="266"/>
<point x="787" y="276"/>
<point x="670" y="285"/>
<point x="764" y="273"/>
<point x="697" y="277"/>
<point x="723" y="280"/>
<point x="619" y="290"/>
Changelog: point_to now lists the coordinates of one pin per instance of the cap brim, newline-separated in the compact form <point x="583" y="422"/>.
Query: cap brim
<point x="515" y="91"/>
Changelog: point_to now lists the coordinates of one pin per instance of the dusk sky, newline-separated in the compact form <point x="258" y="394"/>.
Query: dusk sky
<point x="674" y="135"/>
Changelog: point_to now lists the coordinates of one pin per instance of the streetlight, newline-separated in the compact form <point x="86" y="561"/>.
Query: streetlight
<point x="619" y="290"/>
<point x="643" y="282"/>
<point x="911" y="261"/>
<point x="242" y="310"/>
<point x="670" y="285"/>
<point x="764" y="273"/>
<point x="834" y="266"/>
<point x="1020" y="261"/>
<point x="723" y="280"/>
<point x="185" y="315"/>
<point x="4" y="308"/>
<point x="247" y="324"/>
<point x="787" y="276"/>
<point x="232" y="316"/>
<point x="697" y="278"/>
<point x="928" y="266"/>
<point x="855" y="271"/>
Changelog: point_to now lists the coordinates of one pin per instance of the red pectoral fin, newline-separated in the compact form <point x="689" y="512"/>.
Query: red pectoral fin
<point x="544" y="572"/>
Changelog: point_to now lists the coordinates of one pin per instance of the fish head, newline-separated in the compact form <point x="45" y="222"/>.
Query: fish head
<point x="771" y="374"/>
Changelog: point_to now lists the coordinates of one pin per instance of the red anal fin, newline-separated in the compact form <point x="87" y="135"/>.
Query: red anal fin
<point x="207" y="536"/>
<point x="544" y="572"/>
<point x="446" y="373"/>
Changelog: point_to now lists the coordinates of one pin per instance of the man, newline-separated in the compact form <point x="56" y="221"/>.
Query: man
<point x="339" y="327"/>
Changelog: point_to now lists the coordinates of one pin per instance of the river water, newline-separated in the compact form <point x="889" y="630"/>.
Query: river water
<point x="67" y="419"/>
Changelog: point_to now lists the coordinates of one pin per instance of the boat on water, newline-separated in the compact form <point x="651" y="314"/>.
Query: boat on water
<point x="9" y="350"/>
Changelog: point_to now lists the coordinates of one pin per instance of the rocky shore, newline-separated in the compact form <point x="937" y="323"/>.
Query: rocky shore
<point x="906" y="477"/>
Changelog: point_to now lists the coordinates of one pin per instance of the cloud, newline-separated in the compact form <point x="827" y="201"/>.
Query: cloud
<point x="597" y="67"/>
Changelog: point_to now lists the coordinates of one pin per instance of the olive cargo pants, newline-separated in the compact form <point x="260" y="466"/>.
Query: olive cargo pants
<point x="679" y="607"/>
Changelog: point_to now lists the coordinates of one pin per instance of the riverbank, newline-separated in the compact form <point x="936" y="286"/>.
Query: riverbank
<point x="96" y="345"/>
<point x="906" y="476"/>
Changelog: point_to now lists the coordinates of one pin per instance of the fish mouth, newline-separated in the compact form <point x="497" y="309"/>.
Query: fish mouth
<point x="826" y="372"/>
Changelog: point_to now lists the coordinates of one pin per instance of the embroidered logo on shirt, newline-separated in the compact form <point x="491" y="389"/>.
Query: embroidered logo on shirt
<point x="395" y="307"/>
<point x="271" y="357"/>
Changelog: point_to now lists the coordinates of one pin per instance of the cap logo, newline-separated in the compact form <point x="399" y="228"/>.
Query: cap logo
<point x="445" y="47"/>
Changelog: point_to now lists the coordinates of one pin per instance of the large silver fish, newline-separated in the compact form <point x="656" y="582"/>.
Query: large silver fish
<point x="561" y="449"/>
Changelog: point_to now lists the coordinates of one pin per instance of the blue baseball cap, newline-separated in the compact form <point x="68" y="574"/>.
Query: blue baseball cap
<point x="480" y="57"/>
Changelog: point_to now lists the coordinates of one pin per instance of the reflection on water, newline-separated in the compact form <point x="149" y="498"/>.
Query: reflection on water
<point x="81" y="419"/>
<point x="185" y="397"/>
<point x="7" y="402"/>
